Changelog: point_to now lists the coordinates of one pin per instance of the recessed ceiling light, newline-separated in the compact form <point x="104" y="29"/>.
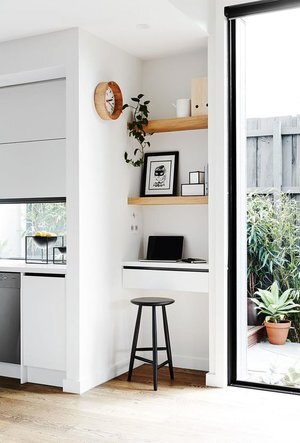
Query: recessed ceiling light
<point x="143" y="26"/>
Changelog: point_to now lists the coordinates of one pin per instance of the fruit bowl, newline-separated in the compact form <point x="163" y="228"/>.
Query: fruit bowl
<point x="43" y="240"/>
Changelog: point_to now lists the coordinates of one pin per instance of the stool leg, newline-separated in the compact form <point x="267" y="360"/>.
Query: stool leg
<point x="154" y="346"/>
<point x="134" y="342"/>
<point x="168" y="344"/>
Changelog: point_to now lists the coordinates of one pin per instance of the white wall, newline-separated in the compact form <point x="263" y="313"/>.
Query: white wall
<point x="99" y="321"/>
<point x="165" y="80"/>
<point x="105" y="181"/>
<point x="169" y="78"/>
<point x="218" y="208"/>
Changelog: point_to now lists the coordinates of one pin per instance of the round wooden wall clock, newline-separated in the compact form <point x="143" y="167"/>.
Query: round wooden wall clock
<point x="108" y="100"/>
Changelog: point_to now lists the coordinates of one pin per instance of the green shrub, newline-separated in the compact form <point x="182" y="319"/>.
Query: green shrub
<point x="273" y="237"/>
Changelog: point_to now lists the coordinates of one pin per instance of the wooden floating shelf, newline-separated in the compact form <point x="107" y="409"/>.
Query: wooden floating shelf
<point x="177" y="200"/>
<point x="177" y="124"/>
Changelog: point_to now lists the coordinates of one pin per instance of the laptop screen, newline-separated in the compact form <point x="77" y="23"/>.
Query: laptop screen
<point x="162" y="247"/>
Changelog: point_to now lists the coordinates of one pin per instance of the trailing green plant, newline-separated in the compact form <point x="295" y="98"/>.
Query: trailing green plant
<point x="274" y="306"/>
<point x="136" y="129"/>
<point x="273" y="237"/>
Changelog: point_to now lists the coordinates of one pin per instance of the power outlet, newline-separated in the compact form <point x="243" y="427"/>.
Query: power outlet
<point x="134" y="226"/>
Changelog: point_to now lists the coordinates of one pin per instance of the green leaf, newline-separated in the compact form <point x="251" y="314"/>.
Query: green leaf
<point x="284" y="297"/>
<point x="140" y="95"/>
<point x="275" y="290"/>
<point x="134" y="99"/>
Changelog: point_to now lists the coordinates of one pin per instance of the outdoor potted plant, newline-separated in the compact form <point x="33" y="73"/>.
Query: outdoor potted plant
<point x="276" y="309"/>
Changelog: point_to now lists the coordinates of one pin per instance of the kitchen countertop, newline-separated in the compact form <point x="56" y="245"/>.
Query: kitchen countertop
<point x="38" y="268"/>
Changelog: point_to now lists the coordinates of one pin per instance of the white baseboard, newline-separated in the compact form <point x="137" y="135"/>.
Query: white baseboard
<point x="10" y="370"/>
<point x="84" y="385"/>
<point x="45" y="376"/>
<point x="72" y="386"/>
<point x="214" y="381"/>
<point x="187" y="362"/>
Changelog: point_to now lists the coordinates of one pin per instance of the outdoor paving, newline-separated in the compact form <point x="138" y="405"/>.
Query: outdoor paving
<point x="269" y="363"/>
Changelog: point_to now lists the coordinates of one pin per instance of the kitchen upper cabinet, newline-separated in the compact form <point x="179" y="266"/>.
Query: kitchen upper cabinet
<point x="34" y="111"/>
<point x="32" y="140"/>
<point x="44" y="322"/>
<point x="30" y="170"/>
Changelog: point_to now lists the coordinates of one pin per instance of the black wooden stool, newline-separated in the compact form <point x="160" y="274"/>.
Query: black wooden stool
<point x="152" y="301"/>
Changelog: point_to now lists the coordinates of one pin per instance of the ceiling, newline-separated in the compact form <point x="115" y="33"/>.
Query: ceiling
<point x="144" y="28"/>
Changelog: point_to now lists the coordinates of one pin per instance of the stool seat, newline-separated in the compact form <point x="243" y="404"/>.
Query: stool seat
<point x="152" y="301"/>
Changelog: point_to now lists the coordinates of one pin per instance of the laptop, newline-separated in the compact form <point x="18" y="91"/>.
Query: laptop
<point x="164" y="248"/>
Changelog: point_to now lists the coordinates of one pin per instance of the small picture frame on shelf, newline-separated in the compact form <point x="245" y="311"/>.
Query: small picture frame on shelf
<point x="160" y="172"/>
<point x="196" y="177"/>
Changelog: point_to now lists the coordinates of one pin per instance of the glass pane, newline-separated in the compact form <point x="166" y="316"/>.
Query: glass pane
<point x="268" y="326"/>
<point x="20" y="220"/>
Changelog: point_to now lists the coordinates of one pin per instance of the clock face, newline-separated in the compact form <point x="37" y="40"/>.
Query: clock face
<point x="109" y="100"/>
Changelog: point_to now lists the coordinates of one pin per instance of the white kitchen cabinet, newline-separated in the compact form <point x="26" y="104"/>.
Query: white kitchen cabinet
<point x="29" y="177"/>
<point x="34" y="111"/>
<point x="43" y="322"/>
<point x="32" y="137"/>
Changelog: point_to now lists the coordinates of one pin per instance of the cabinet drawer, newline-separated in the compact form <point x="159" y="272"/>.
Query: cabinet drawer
<point x="43" y="322"/>
<point x="170" y="280"/>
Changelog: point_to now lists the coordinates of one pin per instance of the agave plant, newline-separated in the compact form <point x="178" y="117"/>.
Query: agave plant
<point x="274" y="306"/>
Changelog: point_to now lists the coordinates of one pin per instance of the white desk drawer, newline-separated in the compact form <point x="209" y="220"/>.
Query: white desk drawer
<point x="165" y="279"/>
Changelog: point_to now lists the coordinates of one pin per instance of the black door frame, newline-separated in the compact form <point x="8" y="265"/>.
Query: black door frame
<point x="233" y="12"/>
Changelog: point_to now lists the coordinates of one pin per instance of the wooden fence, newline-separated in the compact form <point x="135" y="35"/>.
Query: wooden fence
<point x="273" y="154"/>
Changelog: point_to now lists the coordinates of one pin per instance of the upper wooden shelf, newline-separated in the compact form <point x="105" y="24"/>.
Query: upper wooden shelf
<point x="177" y="124"/>
<point x="177" y="200"/>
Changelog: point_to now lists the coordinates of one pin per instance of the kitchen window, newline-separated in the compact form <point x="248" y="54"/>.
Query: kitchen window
<point x="18" y="219"/>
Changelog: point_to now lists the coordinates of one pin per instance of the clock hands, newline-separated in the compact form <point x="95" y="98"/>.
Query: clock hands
<point x="111" y="103"/>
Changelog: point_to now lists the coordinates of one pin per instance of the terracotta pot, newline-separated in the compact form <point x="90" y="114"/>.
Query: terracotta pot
<point x="278" y="332"/>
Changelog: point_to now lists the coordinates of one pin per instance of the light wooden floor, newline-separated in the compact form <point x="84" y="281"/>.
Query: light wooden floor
<point x="184" y="411"/>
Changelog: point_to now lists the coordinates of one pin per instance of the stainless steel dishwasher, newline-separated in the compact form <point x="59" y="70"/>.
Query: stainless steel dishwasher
<point x="10" y="317"/>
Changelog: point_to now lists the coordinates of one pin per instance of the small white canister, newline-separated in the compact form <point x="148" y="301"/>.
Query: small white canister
<point x="183" y="107"/>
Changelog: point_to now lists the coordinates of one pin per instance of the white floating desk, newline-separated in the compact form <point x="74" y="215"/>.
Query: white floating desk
<point x="166" y="276"/>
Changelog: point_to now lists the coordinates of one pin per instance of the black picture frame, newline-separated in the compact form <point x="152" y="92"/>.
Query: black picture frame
<point x="160" y="172"/>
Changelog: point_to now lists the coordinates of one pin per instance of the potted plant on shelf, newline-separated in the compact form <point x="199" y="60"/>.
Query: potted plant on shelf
<point x="276" y="309"/>
<point x="137" y="129"/>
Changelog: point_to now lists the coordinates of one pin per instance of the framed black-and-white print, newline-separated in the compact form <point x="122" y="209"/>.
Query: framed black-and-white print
<point x="160" y="174"/>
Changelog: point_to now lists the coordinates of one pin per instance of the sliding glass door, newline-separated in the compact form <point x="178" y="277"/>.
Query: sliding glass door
<point x="264" y="184"/>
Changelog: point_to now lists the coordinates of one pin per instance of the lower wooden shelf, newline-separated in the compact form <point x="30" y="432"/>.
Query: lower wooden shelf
<point x="177" y="200"/>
